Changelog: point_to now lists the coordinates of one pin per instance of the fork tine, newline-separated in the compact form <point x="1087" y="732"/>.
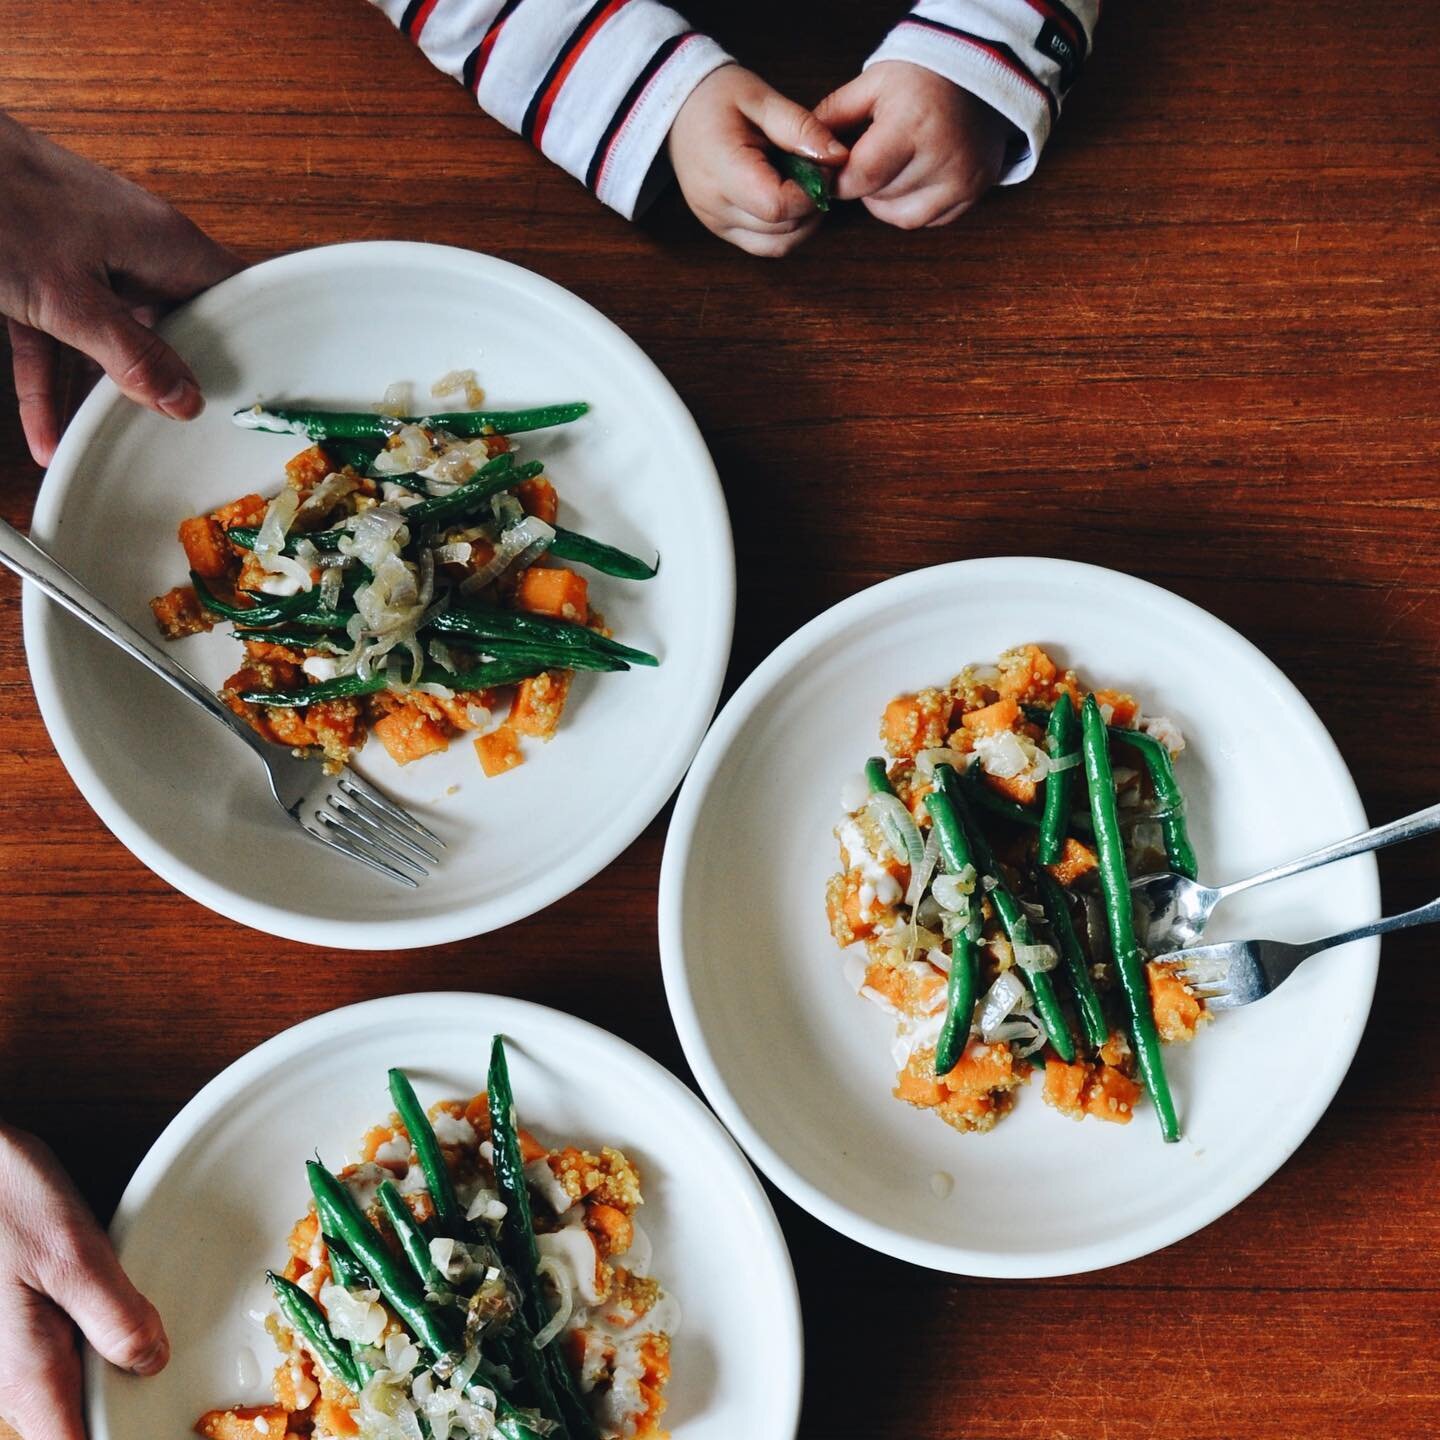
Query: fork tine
<point x="390" y="837"/>
<point x="353" y="785"/>
<point x="371" y="806"/>
<point x="1210" y="992"/>
<point x="1211" y="974"/>
<point x="359" y="827"/>
<point x="353" y="851"/>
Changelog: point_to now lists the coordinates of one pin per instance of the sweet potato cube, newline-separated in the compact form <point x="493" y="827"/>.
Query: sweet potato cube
<point x="303" y="1235"/>
<point x="1123" y="708"/>
<point x="539" y="499"/>
<point x="248" y="511"/>
<point x="1028" y="675"/>
<point x="1064" y="1085"/>
<point x="992" y="719"/>
<point x="499" y="751"/>
<point x="410" y="735"/>
<point x="922" y="1091"/>
<point x="857" y="922"/>
<point x="1177" y="1009"/>
<point x="307" y="469"/>
<point x="558" y="592"/>
<point x="980" y="1069"/>
<point x="1076" y="859"/>
<point x="205" y="545"/>
<point x="914" y="723"/>
<point x="539" y="702"/>
<point x="612" y="1229"/>
<point x="239" y="1423"/>
<point x="1112" y="1095"/>
<point x="334" y="1418"/>
<point x="1020" y="788"/>
<point x="178" y="613"/>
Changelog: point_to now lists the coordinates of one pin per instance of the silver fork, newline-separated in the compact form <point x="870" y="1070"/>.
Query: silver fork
<point x="1239" y="972"/>
<point x="340" y="811"/>
<point x="1173" y="910"/>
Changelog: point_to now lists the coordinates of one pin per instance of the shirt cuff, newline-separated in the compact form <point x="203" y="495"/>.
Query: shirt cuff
<point x="622" y="170"/>
<point x="989" y="70"/>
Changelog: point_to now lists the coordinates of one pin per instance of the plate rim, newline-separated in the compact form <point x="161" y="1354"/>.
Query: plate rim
<point x="39" y="615"/>
<point x="688" y="814"/>
<point x="507" y="1014"/>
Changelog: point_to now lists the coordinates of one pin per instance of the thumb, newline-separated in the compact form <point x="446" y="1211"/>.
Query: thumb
<point x="85" y="1280"/>
<point x="99" y="324"/>
<point x="849" y="107"/>
<point x="792" y="127"/>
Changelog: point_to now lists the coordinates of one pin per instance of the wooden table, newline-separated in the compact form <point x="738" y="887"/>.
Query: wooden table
<point x="1201" y="346"/>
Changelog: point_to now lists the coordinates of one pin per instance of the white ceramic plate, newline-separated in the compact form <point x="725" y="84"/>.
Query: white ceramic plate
<point x="212" y="1203"/>
<point x="798" y="1066"/>
<point x="336" y="326"/>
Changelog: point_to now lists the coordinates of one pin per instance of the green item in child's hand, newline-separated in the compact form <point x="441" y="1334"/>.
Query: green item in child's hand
<point x="814" y="181"/>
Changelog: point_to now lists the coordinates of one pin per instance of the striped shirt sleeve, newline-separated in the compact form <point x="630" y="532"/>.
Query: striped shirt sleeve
<point x="1019" y="56"/>
<point x="594" y="86"/>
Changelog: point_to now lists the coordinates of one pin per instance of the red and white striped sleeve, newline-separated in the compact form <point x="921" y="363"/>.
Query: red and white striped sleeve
<point x="594" y="86"/>
<point x="1019" y="56"/>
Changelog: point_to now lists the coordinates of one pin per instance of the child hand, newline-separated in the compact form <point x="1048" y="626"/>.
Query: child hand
<point x="930" y="149"/>
<point x="719" y="148"/>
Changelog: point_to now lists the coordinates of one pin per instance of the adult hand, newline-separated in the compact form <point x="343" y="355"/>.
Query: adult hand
<point x="88" y="260"/>
<point x="56" y="1266"/>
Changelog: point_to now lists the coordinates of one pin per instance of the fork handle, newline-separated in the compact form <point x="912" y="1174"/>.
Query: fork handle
<point x="32" y="563"/>
<point x="1408" y="827"/>
<point x="1424" y="915"/>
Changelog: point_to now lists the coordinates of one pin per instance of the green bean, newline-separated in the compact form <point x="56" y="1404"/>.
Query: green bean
<point x="1057" y="911"/>
<point x="1007" y="809"/>
<point x="341" y="1216"/>
<point x="496" y="475"/>
<point x="413" y="1243"/>
<point x="349" y="1273"/>
<point x="302" y="609"/>
<point x="324" y="425"/>
<point x="877" y="776"/>
<point x="552" y="657"/>
<point x="1179" y="852"/>
<point x="1115" y="886"/>
<point x="271" y="613"/>
<point x="358" y="455"/>
<point x="608" y="560"/>
<point x="503" y="670"/>
<point x="292" y="639"/>
<point x="307" y="1319"/>
<point x="411" y="480"/>
<point x="814" y="181"/>
<point x="490" y="479"/>
<point x="964" y="979"/>
<point x="1012" y="917"/>
<point x="1062" y="735"/>
<point x="483" y="624"/>
<point x="427" y="1150"/>
<point x="517" y="1233"/>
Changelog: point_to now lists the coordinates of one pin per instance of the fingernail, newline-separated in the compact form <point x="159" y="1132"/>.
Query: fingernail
<point x="834" y="150"/>
<point x="183" y="402"/>
<point x="153" y="1360"/>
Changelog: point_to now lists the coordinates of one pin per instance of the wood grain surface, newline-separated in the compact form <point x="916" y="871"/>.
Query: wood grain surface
<point x="1200" y="345"/>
